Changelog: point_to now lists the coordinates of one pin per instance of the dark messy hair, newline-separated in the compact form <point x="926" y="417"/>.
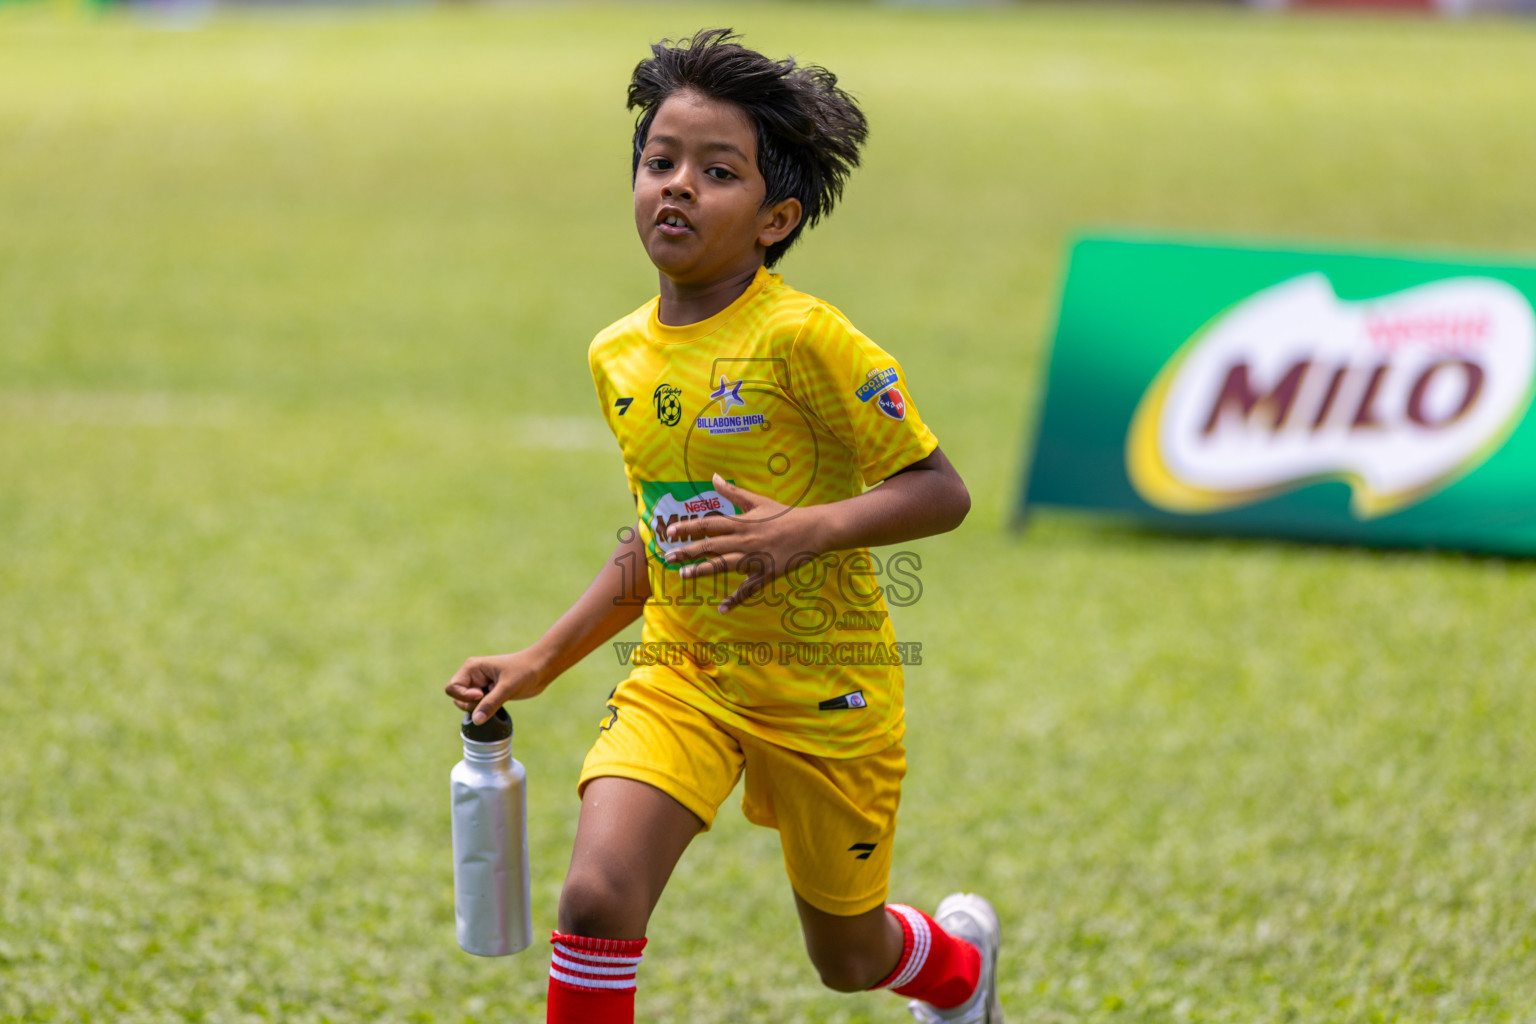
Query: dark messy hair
<point x="808" y="130"/>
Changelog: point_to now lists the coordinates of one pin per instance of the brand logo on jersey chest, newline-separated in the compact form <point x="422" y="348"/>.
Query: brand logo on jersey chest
<point x="668" y="400"/>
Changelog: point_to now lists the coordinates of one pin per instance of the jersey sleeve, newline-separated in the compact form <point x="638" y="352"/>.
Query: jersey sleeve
<point x="607" y="398"/>
<point x="600" y="381"/>
<point x="859" y="394"/>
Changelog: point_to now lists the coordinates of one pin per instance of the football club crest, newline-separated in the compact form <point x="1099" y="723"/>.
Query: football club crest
<point x="892" y="404"/>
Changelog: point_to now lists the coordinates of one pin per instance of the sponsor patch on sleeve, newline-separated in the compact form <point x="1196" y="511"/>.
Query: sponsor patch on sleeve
<point x="878" y="381"/>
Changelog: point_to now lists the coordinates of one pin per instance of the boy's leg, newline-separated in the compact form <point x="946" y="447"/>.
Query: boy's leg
<point x="836" y="819"/>
<point x="629" y="838"/>
<point x="850" y="953"/>
<point x="653" y="780"/>
<point x="901" y="948"/>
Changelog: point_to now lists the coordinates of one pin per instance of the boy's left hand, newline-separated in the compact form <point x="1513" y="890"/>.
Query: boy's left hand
<point x="766" y="540"/>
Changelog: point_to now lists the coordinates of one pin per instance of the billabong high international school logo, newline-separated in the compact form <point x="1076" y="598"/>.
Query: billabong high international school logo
<point x="728" y="394"/>
<point x="892" y="404"/>
<point x="1398" y="395"/>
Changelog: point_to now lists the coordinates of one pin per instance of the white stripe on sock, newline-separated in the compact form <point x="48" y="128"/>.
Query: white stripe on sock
<point x="582" y="968"/>
<point x="586" y="968"/>
<point x="921" y="942"/>
<point x="573" y="980"/>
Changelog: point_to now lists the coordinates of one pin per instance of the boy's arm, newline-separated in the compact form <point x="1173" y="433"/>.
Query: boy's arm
<point x="614" y="599"/>
<point x="925" y="498"/>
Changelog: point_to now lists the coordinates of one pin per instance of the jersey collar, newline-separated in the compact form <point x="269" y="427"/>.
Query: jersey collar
<point x="664" y="334"/>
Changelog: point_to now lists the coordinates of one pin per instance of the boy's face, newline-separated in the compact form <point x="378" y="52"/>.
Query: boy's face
<point x="699" y="194"/>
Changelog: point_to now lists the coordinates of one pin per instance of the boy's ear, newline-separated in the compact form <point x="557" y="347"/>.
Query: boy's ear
<point x="782" y="218"/>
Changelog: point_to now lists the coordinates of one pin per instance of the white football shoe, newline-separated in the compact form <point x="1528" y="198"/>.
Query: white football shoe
<point x="971" y="918"/>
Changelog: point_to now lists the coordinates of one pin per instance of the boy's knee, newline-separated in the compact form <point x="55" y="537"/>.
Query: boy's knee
<point x="600" y="906"/>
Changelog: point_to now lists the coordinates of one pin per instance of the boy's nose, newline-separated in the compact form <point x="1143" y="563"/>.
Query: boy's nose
<point x="676" y="190"/>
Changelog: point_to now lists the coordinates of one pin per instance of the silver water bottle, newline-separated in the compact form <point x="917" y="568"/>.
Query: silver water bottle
<point x="490" y="841"/>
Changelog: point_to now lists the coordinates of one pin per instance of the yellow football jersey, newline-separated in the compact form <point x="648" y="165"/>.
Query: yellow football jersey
<point x="781" y="395"/>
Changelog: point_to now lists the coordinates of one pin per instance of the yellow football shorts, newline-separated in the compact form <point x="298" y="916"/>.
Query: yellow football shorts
<point x="836" y="817"/>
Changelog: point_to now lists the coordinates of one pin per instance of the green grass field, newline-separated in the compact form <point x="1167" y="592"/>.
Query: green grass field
<point x="294" y="415"/>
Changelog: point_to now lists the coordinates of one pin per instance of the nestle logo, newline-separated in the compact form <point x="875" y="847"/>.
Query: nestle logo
<point x="702" y="505"/>
<point x="1451" y="331"/>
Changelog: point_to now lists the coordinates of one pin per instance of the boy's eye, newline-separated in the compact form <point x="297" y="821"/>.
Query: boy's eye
<point x="719" y="172"/>
<point x="658" y="163"/>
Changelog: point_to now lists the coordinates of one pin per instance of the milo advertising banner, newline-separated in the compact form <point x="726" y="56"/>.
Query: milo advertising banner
<point x="1341" y="398"/>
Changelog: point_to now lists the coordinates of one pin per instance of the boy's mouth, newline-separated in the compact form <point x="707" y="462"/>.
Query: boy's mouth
<point x="672" y="222"/>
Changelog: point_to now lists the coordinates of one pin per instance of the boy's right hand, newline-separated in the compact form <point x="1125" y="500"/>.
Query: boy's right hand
<point x="481" y="685"/>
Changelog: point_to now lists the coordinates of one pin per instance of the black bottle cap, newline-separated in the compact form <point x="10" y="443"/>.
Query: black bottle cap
<point x="497" y="727"/>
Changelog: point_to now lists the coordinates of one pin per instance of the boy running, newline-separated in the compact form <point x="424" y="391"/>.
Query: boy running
<point x="751" y="418"/>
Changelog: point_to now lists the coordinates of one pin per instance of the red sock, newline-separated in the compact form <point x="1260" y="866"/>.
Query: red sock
<point x="935" y="967"/>
<point x="592" y="981"/>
